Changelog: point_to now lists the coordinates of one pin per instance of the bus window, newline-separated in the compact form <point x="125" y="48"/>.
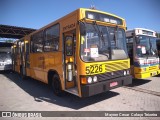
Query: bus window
<point x="130" y="49"/>
<point x="69" y="46"/>
<point x="37" y="42"/>
<point x="51" y="42"/>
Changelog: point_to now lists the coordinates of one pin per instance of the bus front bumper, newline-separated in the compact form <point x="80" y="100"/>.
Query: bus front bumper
<point x="5" y="67"/>
<point x="103" y="86"/>
<point x="147" y="74"/>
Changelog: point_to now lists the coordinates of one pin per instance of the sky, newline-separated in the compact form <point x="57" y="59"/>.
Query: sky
<point x="38" y="13"/>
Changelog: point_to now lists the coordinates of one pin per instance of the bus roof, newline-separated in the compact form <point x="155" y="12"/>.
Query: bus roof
<point x="140" y="29"/>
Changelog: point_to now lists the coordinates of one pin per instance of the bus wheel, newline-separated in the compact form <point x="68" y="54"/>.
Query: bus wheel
<point x="56" y="85"/>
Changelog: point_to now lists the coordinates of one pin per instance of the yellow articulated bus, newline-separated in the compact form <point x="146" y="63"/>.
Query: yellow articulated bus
<point x="142" y="50"/>
<point x="16" y="60"/>
<point x="83" y="53"/>
<point x="19" y="56"/>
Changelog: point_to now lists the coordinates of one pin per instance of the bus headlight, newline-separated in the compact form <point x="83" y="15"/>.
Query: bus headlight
<point x="128" y="72"/>
<point x="124" y="72"/>
<point x="89" y="80"/>
<point x="95" y="79"/>
<point x="8" y="62"/>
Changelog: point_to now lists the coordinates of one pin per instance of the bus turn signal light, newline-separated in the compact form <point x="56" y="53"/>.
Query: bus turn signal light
<point x="83" y="80"/>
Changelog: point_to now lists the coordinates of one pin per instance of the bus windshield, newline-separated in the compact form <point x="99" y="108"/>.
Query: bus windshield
<point x="4" y="56"/>
<point x="146" y="46"/>
<point x="101" y="43"/>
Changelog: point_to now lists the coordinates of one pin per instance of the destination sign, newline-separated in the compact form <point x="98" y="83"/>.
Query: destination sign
<point x="103" y="18"/>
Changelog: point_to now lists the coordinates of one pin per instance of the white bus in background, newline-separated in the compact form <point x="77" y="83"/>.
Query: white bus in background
<point x="5" y="56"/>
<point x="158" y="46"/>
<point x="142" y="50"/>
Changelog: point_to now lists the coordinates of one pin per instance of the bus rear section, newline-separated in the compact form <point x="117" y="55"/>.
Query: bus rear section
<point x="143" y="52"/>
<point x="5" y="56"/>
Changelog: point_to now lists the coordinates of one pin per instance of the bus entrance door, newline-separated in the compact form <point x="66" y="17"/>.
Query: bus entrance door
<point x="22" y="67"/>
<point x="69" y="59"/>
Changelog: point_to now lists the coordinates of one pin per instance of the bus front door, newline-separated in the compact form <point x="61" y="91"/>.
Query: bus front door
<point x="27" y="60"/>
<point x="22" y="67"/>
<point x="69" y="62"/>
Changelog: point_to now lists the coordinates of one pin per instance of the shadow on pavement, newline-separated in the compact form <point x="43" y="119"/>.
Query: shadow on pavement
<point x="5" y="71"/>
<point x="41" y="92"/>
<point x="138" y="82"/>
<point x="157" y="75"/>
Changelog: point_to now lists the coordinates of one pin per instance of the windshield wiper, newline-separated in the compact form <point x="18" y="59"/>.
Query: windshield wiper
<point x="104" y="53"/>
<point x="150" y="45"/>
<point x="116" y="36"/>
<point x="100" y="33"/>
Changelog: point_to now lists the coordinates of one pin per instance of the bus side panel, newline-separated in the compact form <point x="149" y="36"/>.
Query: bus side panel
<point x="17" y="65"/>
<point x="53" y="61"/>
<point x="36" y="66"/>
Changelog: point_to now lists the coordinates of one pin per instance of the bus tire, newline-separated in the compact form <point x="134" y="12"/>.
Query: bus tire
<point x="56" y="85"/>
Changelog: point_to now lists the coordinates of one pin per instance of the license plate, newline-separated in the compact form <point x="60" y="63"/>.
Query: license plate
<point x="113" y="84"/>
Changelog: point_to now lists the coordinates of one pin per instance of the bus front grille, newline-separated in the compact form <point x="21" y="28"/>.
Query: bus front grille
<point x="110" y="75"/>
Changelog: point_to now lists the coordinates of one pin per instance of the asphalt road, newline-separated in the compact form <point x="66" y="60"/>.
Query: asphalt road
<point x="31" y="95"/>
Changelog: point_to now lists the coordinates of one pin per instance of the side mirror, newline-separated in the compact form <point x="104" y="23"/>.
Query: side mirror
<point x="82" y="28"/>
